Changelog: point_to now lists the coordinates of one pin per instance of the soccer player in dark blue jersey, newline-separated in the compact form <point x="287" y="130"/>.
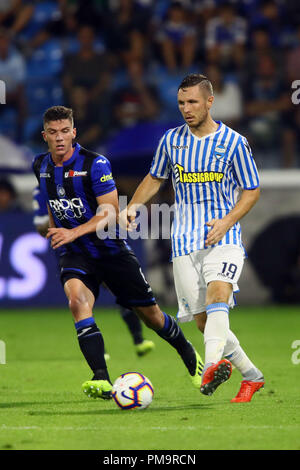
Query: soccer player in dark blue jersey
<point x="41" y="222"/>
<point x="76" y="183"/>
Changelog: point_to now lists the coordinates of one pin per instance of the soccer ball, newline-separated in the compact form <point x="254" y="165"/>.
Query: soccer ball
<point x="132" y="391"/>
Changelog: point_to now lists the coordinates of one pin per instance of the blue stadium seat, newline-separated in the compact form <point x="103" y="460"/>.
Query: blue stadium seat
<point x="32" y="125"/>
<point x="167" y="86"/>
<point x="46" y="61"/>
<point x="43" y="92"/>
<point x="8" y="123"/>
<point x="43" y="13"/>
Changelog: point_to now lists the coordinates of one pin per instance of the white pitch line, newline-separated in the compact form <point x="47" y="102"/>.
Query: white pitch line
<point x="154" y="428"/>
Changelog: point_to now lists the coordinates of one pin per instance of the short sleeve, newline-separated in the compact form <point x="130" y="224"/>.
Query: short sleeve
<point x="244" y="166"/>
<point x="101" y="176"/>
<point x="34" y="168"/>
<point x="39" y="205"/>
<point x="160" y="167"/>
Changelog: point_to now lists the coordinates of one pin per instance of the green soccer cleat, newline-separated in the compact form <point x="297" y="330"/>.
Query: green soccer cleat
<point x="97" y="389"/>
<point x="196" y="378"/>
<point x="144" y="348"/>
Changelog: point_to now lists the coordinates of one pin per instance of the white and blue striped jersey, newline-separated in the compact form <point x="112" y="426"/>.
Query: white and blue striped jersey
<point x="208" y="174"/>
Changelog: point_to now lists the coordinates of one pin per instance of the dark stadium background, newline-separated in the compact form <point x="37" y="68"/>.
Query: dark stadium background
<point x="118" y="64"/>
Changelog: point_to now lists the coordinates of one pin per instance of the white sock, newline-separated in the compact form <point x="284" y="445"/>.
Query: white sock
<point x="239" y="358"/>
<point x="216" y="331"/>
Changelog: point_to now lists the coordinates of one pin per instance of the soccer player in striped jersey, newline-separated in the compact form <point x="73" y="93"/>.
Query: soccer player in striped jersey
<point x="216" y="183"/>
<point x="76" y="183"/>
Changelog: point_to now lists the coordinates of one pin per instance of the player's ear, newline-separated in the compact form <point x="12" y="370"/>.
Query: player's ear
<point x="74" y="132"/>
<point x="210" y="101"/>
<point x="44" y="136"/>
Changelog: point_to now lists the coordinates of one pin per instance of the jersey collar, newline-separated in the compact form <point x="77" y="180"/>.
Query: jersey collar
<point x="208" y="135"/>
<point x="76" y="147"/>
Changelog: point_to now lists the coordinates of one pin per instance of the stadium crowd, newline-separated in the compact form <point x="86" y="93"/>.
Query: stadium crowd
<point x="118" y="63"/>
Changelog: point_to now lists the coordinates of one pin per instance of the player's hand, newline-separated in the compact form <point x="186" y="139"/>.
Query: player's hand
<point x="127" y="218"/>
<point x="219" y="227"/>
<point x="60" y="236"/>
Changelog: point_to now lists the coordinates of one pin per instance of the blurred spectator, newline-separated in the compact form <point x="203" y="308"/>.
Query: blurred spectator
<point x="265" y="101"/>
<point x="12" y="72"/>
<point x="87" y="68"/>
<point x="95" y="36"/>
<point x="290" y="136"/>
<point x="86" y="117"/>
<point x="292" y="8"/>
<point x="291" y="118"/>
<point x="177" y="38"/>
<point x="225" y="38"/>
<point x="137" y="101"/>
<point x="271" y="16"/>
<point x="64" y="26"/>
<point x="15" y="14"/>
<point x="227" y="104"/>
<point x="293" y="59"/>
<point x="8" y="198"/>
<point x="126" y="30"/>
<point x="92" y="12"/>
<point x="260" y="42"/>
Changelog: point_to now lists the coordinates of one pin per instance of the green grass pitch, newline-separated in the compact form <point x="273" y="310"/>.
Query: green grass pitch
<point x="42" y="405"/>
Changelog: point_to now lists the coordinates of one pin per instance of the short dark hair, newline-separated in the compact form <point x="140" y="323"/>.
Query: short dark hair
<point x="57" y="113"/>
<point x="194" y="79"/>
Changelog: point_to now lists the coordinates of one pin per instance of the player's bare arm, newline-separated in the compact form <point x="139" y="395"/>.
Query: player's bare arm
<point x="143" y="194"/>
<point x="110" y="207"/>
<point x="219" y="227"/>
<point x="51" y="220"/>
<point x="145" y="191"/>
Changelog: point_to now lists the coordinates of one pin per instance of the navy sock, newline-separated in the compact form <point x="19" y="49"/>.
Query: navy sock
<point x="173" y="334"/>
<point x="92" y="347"/>
<point x="134" y="325"/>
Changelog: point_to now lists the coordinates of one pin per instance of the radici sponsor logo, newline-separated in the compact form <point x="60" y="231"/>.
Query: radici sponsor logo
<point x="67" y="208"/>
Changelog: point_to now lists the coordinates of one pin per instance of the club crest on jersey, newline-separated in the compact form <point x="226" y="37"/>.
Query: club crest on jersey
<point x="60" y="190"/>
<point x="182" y="176"/>
<point x="219" y="151"/>
<point x="73" y="173"/>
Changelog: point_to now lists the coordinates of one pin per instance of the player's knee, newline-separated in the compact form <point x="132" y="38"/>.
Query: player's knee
<point x="77" y="303"/>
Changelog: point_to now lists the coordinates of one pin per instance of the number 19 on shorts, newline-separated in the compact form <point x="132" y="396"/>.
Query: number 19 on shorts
<point x="229" y="270"/>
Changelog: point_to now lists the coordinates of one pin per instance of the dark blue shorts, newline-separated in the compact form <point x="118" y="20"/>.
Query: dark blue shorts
<point x="121" y="273"/>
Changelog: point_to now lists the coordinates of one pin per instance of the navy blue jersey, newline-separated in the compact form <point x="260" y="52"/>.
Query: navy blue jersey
<point x="70" y="192"/>
<point x="39" y="204"/>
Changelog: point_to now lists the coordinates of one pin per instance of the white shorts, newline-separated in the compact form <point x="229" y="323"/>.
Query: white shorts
<point x="194" y="271"/>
